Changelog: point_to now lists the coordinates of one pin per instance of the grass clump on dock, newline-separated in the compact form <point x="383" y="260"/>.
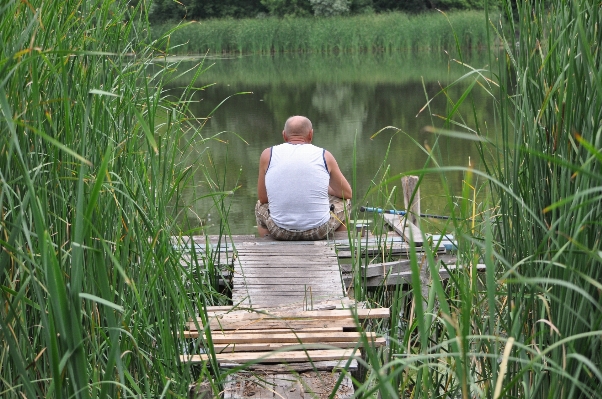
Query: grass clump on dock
<point x="371" y="32"/>
<point x="93" y="292"/>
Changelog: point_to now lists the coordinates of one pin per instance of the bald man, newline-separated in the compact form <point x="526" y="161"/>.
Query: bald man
<point x="302" y="192"/>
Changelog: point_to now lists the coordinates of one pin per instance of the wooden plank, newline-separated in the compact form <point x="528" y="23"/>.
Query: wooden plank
<point x="338" y="303"/>
<point x="304" y="261"/>
<point x="280" y="324"/>
<point x="396" y="250"/>
<point x="271" y="274"/>
<point x="267" y="346"/>
<point x="379" y="269"/>
<point x="283" y="300"/>
<point x="292" y="265"/>
<point x="288" y="282"/>
<point x="405" y="278"/>
<point x="274" y="357"/>
<point x="303" y="386"/>
<point x="376" y="313"/>
<point x="227" y="338"/>
<point x="287" y="250"/>
<point x="325" y="365"/>
<point x="411" y="198"/>
<point x="298" y="293"/>
<point x="282" y="330"/>
<point x="406" y="229"/>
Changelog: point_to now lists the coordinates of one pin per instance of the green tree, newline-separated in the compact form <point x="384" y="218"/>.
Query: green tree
<point x="412" y="6"/>
<point x="329" y="8"/>
<point x="361" y="6"/>
<point x="281" y="8"/>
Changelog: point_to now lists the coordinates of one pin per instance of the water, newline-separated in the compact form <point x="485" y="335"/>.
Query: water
<point x="349" y="98"/>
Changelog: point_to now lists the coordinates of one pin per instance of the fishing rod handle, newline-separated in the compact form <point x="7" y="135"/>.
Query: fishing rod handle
<point x="380" y="210"/>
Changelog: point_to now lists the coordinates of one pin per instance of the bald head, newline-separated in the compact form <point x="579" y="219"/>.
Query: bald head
<point x="297" y="126"/>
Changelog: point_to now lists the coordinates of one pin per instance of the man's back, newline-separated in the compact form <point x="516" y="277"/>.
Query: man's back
<point x="297" y="185"/>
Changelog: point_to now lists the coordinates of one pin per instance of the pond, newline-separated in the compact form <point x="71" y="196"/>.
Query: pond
<point x="349" y="98"/>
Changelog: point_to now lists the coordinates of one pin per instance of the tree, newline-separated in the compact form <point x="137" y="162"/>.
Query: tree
<point x="329" y="8"/>
<point x="281" y="8"/>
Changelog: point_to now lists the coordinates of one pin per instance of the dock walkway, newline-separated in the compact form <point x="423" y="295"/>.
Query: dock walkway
<point x="290" y="322"/>
<point x="273" y="274"/>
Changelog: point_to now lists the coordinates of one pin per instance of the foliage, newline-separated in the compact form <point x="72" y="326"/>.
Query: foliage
<point x="531" y="324"/>
<point x="329" y="8"/>
<point x="91" y="285"/>
<point x="291" y="8"/>
<point x="169" y="10"/>
<point x="551" y="234"/>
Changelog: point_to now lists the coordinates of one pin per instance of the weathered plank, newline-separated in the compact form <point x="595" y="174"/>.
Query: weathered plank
<point x="280" y="324"/>
<point x="376" y="313"/>
<point x="304" y="386"/>
<point x="332" y="304"/>
<point x="325" y="365"/>
<point x="406" y="277"/>
<point x="404" y="228"/>
<point x="269" y="346"/>
<point x="284" y="299"/>
<point x="276" y="330"/>
<point x="411" y="198"/>
<point x="379" y="269"/>
<point x="296" y="282"/>
<point x="313" y="274"/>
<point x="227" y="338"/>
<point x="274" y="357"/>
<point x="394" y="250"/>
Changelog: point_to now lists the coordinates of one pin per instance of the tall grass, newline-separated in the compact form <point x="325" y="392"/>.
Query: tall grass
<point x="530" y="326"/>
<point x="93" y="293"/>
<point x="378" y="32"/>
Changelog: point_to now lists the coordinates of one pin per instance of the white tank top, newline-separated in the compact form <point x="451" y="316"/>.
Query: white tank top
<point x="297" y="182"/>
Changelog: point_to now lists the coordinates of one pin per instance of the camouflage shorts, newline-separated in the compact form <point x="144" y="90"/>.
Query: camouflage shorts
<point x="337" y="217"/>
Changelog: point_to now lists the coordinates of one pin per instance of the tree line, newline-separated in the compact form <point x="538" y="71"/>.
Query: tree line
<point x="170" y="10"/>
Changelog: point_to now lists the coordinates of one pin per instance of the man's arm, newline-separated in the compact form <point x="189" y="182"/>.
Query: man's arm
<point x="264" y="162"/>
<point x="339" y="186"/>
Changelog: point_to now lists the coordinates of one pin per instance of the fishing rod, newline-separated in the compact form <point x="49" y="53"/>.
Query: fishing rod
<point x="401" y="213"/>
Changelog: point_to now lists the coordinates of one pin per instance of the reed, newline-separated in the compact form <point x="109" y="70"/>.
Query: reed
<point x="93" y="294"/>
<point x="376" y="32"/>
<point x="95" y="298"/>
<point x="529" y="326"/>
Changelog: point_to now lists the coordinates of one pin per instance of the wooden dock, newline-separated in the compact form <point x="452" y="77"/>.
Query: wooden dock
<point x="291" y="330"/>
<point x="290" y="323"/>
<point x="285" y="273"/>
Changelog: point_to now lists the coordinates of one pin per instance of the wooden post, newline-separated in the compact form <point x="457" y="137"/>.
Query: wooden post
<point x="411" y="198"/>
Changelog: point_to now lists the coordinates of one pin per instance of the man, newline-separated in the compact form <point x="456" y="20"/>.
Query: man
<point x="302" y="192"/>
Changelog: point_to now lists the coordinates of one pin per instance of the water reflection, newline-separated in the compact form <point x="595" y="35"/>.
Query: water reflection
<point x="348" y="99"/>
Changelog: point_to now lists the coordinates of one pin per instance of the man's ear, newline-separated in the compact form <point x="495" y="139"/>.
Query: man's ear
<point x="311" y="135"/>
<point x="284" y="136"/>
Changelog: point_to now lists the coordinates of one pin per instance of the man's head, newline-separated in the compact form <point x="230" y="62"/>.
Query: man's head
<point x="298" y="127"/>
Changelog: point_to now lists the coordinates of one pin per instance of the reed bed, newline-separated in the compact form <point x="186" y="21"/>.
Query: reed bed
<point x="376" y="32"/>
<point x="530" y="326"/>
<point x="93" y="293"/>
